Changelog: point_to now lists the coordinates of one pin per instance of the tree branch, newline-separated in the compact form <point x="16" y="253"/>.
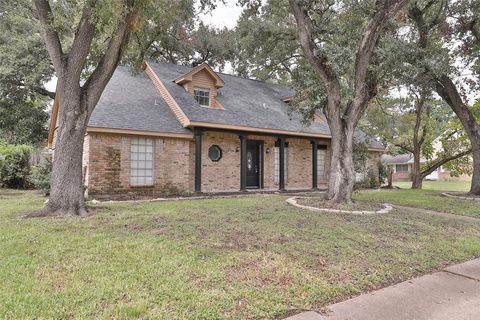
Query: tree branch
<point x="401" y="146"/>
<point x="99" y="78"/>
<point x="82" y="41"/>
<point x="44" y="92"/>
<point x="316" y="57"/>
<point x="443" y="161"/>
<point x="446" y="89"/>
<point x="52" y="40"/>
<point x="364" y="91"/>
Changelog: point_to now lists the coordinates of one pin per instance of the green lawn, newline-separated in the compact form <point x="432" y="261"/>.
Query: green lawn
<point x="238" y="258"/>
<point x="438" y="185"/>
<point x="427" y="199"/>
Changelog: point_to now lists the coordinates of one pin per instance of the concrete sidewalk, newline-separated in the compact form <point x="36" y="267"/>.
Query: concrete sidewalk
<point x="451" y="294"/>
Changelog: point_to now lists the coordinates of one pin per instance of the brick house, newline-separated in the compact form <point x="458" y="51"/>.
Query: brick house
<point x="401" y="167"/>
<point x="177" y="129"/>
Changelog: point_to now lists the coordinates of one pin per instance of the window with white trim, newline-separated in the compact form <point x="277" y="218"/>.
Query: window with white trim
<point x="202" y="95"/>
<point x="277" y="163"/>
<point x="321" y="162"/>
<point x="141" y="162"/>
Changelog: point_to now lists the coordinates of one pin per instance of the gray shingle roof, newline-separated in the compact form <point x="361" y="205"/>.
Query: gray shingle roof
<point x="132" y="102"/>
<point x="399" y="159"/>
<point x="246" y="102"/>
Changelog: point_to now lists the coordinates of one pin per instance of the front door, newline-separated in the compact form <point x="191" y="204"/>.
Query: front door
<point x="253" y="164"/>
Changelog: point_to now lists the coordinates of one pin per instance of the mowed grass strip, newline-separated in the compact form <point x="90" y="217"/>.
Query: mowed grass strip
<point x="237" y="258"/>
<point x="425" y="199"/>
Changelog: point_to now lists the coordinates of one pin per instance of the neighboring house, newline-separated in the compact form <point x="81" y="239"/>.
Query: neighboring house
<point x="402" y="168"/>
<point x="177" y="129"/>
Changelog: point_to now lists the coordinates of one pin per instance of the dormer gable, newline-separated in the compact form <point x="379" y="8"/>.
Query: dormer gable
<point x="203" y="68"/>
<point x="202" y="83"/>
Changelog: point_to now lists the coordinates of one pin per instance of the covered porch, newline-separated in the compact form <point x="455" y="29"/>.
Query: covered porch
<point x="234" y="160"/>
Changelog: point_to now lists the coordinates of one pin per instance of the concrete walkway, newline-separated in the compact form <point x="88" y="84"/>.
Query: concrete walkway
<point x="451" y="294"/>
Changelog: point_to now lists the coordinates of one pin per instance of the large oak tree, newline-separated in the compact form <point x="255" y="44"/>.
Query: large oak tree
<point x="86" y="40"/>
<point x="444" y="34"/>
<point x="345" y="100"/>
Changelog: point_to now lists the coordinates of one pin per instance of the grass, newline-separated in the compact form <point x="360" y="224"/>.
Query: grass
<point x="239" y="258"/>
<point x="438" y="185"/>
<point x="426" y="199"/>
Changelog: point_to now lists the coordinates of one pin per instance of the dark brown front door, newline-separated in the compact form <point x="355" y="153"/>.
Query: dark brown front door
<point x="253" y="164"/>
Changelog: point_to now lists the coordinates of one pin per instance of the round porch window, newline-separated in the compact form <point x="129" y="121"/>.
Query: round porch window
<point x="214" y="153"/>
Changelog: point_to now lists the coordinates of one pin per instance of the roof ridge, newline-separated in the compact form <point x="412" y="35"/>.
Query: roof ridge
<point x="221" y="73"/>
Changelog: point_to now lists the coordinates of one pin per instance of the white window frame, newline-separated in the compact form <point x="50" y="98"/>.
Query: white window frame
<point x="202" y="90"/>
<point x="277" y="165"/>
<point x="142" y="154"/>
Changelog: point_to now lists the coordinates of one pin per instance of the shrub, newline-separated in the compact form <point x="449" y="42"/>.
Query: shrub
<point x="41" y="174"/>
<point x="370" y="181"/>
<point x="382" y="172"/>
<point x="14" y="165"/>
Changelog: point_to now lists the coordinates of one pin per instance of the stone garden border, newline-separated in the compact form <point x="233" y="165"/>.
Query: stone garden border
<point x="446" y="194"/>
<point x="293" y="201"/>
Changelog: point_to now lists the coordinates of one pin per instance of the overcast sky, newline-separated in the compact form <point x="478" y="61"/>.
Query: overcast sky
<point x="225" y="15"/>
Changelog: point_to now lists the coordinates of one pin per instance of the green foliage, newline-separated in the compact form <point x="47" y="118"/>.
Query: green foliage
<point x="382" y="172"/>
<point x="14" y="165"/>
<point x="24" y="69"/>
<point x="22" y="120"/>
<point x="360" y="156"/>
<point x="40" y="175"/>
<point x="370" y="181"/>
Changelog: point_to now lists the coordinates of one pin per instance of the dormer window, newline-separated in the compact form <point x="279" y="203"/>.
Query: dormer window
<point x="202" y="95"/>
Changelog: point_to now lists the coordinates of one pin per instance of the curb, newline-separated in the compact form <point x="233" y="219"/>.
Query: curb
<point x="293" y="201"/>
<point x="446" y="194"/>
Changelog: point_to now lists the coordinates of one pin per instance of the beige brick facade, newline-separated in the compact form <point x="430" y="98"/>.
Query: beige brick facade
<point x="107" y="164"/>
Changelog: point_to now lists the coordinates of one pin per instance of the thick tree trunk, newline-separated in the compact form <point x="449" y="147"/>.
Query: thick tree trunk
<point x="342" y="171"/>
<point x="417" y="180"/>
<point x="67" y="192"/>
<point x="449" y="93"/>
<point x="417" y="177"/>
<point x="475" y="186"/>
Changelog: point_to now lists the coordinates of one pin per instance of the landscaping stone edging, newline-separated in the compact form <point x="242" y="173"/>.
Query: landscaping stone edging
<point x="293" y="201"/>
<point x="446" y="194"/>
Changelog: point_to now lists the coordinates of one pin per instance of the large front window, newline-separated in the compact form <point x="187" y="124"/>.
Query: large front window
<point x="202" y="96"/>
<point x="141" y="162"/>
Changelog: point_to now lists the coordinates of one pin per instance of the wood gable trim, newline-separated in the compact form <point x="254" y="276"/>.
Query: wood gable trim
<point x="140" y="133"/>
<point x="204" y="66"/>
<point x="177" y="111"/>
<point x="53" y="121"/>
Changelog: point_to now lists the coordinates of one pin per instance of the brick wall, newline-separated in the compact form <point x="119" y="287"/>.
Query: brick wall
<point x="224" y="175"/>
<point x="108" y="161"/>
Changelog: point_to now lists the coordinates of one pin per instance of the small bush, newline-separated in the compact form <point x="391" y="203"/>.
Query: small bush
<point x="14" y="165"/>
<point x="370" y="181"/>
<point x="41" y="174"/>
<point x="382" y="172"/>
